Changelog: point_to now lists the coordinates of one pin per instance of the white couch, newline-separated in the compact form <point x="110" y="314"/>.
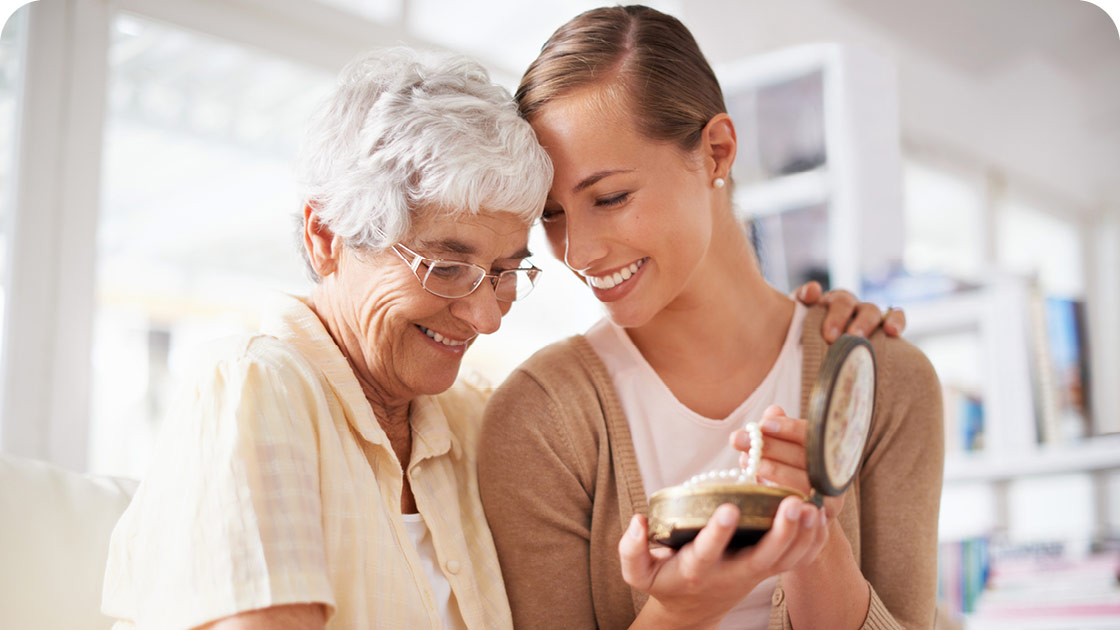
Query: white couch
<point x="54" y="539"/>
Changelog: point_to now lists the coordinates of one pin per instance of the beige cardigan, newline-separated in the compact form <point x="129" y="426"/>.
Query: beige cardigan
<point x="559" y="481"/>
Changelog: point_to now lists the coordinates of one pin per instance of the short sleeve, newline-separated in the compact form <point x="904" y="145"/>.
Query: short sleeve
<point x="229" y="517"/>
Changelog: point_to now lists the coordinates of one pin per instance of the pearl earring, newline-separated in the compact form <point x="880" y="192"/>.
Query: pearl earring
<point x="719" y="183"/>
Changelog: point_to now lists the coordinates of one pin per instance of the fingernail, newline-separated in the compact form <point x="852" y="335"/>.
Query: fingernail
<point x="725" y="516"/>
<point x="792" y="513"/>
<point x="635" y="531"/>
<point x="771" y="426"/>
<point x="833" y="333"/>
<point x="809" y="518"/>
<point x="802" y="292"/>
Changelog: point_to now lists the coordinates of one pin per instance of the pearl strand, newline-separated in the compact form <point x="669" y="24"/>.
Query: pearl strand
<point x="736" y="475"/>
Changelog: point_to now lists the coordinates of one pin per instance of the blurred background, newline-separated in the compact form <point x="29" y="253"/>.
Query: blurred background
<point x="958" y="159"/>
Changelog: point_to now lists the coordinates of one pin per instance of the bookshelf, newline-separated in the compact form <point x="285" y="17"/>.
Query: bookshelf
<point x="1025" y="482"/>
<point x="819" y="180"/>
<point x="1005" y="331"/>
<point x="818" y="172"/>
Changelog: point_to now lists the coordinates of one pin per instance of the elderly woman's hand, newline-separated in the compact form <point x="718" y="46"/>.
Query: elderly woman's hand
<point x="847" y="314"/>
<point x="697" y="585"/>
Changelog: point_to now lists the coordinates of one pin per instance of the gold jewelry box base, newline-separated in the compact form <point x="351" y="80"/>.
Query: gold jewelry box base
<point x="678" y="513"/>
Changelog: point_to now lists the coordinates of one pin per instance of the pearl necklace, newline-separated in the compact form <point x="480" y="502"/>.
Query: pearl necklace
<point x="748" y="475"/>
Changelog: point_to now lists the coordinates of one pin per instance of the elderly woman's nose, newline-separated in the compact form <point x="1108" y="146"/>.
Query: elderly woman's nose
<point x="583" y="245"/>
<point x="481" y="309"/>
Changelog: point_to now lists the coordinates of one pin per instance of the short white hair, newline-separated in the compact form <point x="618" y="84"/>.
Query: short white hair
<point x="406" y="134"/>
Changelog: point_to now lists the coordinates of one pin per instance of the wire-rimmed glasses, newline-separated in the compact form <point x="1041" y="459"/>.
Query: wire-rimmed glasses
<point x="456" y="278"/>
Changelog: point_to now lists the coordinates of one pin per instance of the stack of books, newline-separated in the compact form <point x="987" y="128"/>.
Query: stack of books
<point x="1055" y="586"/>
<point x="963" y="569"/>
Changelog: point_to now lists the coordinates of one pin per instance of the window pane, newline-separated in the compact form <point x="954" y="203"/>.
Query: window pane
<point x="11" y="52"/>
<point x="197" y="222"/>
<point x="197" y="214"/>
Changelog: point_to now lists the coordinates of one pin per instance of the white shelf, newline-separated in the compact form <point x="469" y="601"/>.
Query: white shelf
<point x="775" y="68"/>
<point x="1099" y="453"/>
<point x="963" y="311"/>
<point x="1095" y="622"/>
<point x="786" y="192"/>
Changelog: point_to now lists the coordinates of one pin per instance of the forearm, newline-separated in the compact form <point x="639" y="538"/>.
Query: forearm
<point x="831" y="593"/>
<point x="285" y="617"/>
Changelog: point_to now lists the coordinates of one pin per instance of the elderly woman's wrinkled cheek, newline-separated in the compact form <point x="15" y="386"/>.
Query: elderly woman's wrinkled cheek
<point x="392" y="319"/>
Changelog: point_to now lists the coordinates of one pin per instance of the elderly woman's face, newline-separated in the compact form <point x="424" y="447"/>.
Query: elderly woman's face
<point x="397" y="323"/>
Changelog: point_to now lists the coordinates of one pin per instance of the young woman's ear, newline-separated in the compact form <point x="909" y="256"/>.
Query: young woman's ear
<point x="323" y="247"/>
<point x="719" y="145"/>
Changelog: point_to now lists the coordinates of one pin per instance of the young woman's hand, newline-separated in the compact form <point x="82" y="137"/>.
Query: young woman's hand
<point x="697" y="585"/>
<point x="783" y="460"/>
<point x="847" y="314"/>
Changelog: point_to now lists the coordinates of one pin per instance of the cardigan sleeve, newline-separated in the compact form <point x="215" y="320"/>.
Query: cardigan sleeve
<point x="538" y="503"/>
<point x="900" y="490"/>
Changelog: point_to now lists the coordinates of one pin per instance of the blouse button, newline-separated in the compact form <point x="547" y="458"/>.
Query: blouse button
<point x="452" y="567"/>
<point x="778" y="596"/>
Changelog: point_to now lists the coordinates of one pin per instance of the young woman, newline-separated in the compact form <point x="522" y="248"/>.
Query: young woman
<point x="695" y="345"/>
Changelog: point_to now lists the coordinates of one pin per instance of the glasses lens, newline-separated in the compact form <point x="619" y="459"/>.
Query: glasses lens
<point x="515" y="284"/>
<point x="452" y="279"/>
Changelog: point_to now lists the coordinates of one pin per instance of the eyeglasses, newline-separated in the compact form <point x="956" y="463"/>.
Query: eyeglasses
<point x="456" y="279"/>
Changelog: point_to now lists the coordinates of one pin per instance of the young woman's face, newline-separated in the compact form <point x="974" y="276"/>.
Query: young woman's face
<point x="632" y="217"/>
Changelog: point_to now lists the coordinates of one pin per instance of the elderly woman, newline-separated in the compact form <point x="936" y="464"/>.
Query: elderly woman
<point x="322" y="473"/>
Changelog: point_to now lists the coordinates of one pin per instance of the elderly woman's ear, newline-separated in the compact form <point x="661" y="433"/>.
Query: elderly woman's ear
<point x="322" y="246"/>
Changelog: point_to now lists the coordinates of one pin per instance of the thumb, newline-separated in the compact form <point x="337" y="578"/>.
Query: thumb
<point x="633" y="551"/>
<point x="773" y="411"/>
<point x="809" y="293"/>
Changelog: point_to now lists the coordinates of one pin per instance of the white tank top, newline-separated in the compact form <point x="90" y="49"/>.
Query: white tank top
<point x="441" y="588"/>
<point x="672" y="442"/>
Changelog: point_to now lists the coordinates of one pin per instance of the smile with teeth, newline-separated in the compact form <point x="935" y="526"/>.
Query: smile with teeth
<point x="441" y="339"/>
<point x="613" y="280"/>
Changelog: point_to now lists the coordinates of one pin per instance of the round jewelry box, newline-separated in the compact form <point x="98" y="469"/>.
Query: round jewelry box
<point x="841" y="405"/>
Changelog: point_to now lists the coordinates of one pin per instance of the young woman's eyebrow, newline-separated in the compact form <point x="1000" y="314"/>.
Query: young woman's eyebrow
<point x="591" y="179"/>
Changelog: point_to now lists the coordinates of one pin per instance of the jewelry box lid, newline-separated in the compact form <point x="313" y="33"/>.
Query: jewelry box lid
<point x="840" y="409"/>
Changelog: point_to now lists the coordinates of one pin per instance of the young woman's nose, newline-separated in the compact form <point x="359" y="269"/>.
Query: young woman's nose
<point x="583" y="243"/>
